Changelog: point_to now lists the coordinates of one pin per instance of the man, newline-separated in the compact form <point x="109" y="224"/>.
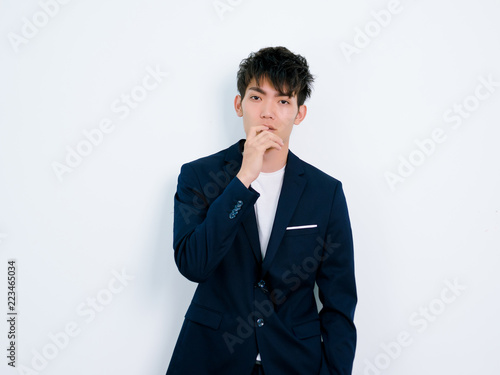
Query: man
<point x="257" y="227"/>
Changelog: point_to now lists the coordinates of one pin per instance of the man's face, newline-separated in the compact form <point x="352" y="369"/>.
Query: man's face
<point x="263" y="105"/>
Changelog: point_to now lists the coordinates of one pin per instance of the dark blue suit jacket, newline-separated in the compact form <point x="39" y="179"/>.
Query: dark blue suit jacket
<point x="243" y="305"/>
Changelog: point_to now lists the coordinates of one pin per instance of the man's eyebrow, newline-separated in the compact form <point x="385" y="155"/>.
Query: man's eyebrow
<point x="259" y="90"/>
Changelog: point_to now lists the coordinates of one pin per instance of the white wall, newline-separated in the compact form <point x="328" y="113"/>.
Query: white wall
<point x="71" y="236"/>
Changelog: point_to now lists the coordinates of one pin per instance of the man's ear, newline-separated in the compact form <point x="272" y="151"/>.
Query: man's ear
<point x="300" y="115"/>
<point x="237" y="106"/>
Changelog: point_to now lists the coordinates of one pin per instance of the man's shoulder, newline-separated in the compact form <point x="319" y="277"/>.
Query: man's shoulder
<point x="229" y="154"/>
<point x="317" y="175"/>
<point x="208" y="159"/>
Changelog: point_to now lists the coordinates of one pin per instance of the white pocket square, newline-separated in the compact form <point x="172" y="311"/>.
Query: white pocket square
<point x="302" y="226"/>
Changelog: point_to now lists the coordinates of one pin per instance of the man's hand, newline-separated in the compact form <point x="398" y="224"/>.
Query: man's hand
<point x="259" y="139"/>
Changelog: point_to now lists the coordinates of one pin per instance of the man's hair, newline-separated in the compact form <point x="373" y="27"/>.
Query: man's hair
<point x="287" y="72"/>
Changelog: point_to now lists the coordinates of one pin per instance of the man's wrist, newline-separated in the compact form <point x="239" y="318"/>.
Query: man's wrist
<point x="244" y="180"/>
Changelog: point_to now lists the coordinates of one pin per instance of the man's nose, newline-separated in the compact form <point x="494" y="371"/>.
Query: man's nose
<point x="267" y="110"/>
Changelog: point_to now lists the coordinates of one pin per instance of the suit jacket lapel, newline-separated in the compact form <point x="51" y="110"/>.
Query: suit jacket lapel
<point x="293" y="186"/>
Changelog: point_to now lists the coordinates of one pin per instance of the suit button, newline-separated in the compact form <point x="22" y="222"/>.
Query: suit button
<point x="261" y="284"/>
<point x="260" y="322"/>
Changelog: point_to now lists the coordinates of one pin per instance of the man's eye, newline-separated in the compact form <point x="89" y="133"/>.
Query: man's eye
<point x="254" y="97"/>
<point x="284" y="102"/>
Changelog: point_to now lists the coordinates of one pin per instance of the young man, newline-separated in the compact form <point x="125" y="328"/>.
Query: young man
<point x="257" y="227"/>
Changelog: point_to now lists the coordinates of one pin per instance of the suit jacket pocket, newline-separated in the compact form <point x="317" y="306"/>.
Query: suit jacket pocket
<point x="301" y="231"/>
<point x="307" y="329"/>
<point x="204" y="316"/>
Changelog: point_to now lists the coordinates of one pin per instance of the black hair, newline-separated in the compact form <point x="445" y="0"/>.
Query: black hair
<point x="288" y="72"/>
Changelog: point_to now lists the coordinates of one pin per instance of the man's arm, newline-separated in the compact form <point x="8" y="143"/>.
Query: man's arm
<point x="204" y="233"/>
<point x="337" y="291"/>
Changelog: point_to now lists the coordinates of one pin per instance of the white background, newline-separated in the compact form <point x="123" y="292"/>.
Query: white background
<point x="113" y="212"/>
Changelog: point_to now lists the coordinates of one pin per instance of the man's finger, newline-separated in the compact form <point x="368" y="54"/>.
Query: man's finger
<point x="259" y="129"/>
<point x="271" y="136"/>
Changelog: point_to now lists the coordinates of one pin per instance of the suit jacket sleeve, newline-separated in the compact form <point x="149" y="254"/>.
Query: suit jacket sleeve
<point x="204" y="228"/>
<point x="337" y="291"/>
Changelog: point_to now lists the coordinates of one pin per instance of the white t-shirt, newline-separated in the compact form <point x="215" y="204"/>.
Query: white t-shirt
<point x="268" y="185"/>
